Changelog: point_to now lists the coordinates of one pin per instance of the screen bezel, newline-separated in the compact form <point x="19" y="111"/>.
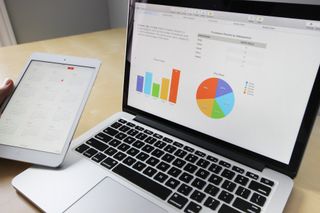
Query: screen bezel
<point x="42" y="157"/>
<point x="297" y="11"/>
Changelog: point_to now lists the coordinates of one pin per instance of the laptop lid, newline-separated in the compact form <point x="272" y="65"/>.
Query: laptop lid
<point x="240" y="78"/>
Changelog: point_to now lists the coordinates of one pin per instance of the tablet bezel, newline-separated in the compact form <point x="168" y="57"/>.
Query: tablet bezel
<point x="42" y="157"/>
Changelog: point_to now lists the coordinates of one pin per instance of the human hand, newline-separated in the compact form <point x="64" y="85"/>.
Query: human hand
<point x="5" y="90"/>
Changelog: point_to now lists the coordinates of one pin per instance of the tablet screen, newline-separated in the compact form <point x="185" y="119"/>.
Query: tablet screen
<point x="44" y="106"/>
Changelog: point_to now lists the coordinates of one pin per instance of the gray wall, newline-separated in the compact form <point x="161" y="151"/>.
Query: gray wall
<point x="43" y="19"/>
<point x="118" y="13"/>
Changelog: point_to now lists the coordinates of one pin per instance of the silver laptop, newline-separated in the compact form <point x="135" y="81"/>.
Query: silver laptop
<point x="219" y="101"/>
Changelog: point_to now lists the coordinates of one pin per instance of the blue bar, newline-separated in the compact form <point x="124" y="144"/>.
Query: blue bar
<point x="148" y="83"/>
<point x="139" y="83"/>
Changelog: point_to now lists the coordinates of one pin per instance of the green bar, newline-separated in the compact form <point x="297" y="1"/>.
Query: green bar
<point x="155" y="90"/>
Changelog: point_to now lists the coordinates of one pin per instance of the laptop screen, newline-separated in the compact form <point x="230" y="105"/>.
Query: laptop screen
<point x="242" y="78"/>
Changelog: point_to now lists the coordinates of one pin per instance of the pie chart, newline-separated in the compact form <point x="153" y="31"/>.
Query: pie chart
<point x="215" y="98"/>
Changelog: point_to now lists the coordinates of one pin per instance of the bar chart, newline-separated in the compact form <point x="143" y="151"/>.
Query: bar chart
<point x="166" y="90"/>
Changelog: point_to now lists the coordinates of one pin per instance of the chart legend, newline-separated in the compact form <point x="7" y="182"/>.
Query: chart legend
<point x="215" y="98"/>
<point x="166" y="90"/>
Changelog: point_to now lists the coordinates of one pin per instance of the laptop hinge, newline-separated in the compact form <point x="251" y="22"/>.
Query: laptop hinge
<point x="233" y="155"/>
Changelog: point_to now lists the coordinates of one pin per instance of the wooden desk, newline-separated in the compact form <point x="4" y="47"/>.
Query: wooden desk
<point x="105" y="99"/>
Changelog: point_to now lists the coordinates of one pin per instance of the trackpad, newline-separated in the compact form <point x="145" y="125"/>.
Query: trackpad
<point x="110" y="196"/>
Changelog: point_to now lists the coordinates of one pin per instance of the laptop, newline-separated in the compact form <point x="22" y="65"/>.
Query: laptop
<point x="219" y="100"/>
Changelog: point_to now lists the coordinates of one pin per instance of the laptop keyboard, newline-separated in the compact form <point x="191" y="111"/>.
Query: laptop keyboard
<point x="186" y="178"/>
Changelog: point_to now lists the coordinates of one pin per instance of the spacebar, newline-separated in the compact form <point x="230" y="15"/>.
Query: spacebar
<point x="142" y="181"/>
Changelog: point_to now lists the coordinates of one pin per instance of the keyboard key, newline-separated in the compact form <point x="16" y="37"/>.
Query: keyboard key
<point x="212" y="190"/>
<point x="138" y="144"/>
<point x="139" y="166"/>
<point x="149" y="132"/>
<point x="197" y="196"/>
<point x="157" y="153"/>
<point x="178" y="201"/>
<point x="198" y="183"/>
<point x="133" y="151"/>
<point x="243" y="192"/>
<point x="225" y="164"/>
<point x="212" y="159"/>
<point x="109" y="163"/>
<point x="169" y="148"/>
<point x="245" y="206"/>
<point x="116" y="125"/>
<point x="168" y="158"/>
<point x="132" y="132"/>
<point x="130" y="124"/>
<point x="120" y="156"/>
<point x="177" y="144"/>
<point x="97" y="144"/>
<point x="267" y="182"/>
<point x="129" y="161"/>
<point x="114" y="143"/>
<point x="149" y="171"/>
<point x="124" y="128"/>
<point x="90" y="152"/>
<point x="82" y="148"/>
<point x="215" y="179"/>
<point x="123" y="147"/>
<point x="227" y="209"/>
<point x="122" y="121"/>
<point x="202" y="173"/>
<point x="129" y="140"/>
<point x="237" y="169"/>
<point x="179" y="163"/>
<point x="228" y="185"/>
<point x="150" y="140"/>
<point x="185" y="177"/>
<point x="258" y="199"/>
<point x="189" y="149"/>
<point x="142" y="156"/>
<point x="228" y="174"/>
<point x="172" y="183"/>
<point x="252" y="175"/>
<point x="161" y="177"/>
<point x="98" y="157"/>
<point x="160" y="144"/>
<point x="201" y="154"/>
<point x="110" y="151"/>
<point x="215" y="168"/>
<point x="139" y="128"/>
<point x="121" y="136"/>
<point x="191" y="158"/>
<point x="158" y="136"/>
<point x="147" y="148"/>
<point x="211" y="203"/>
<point x="203" y="163"/>
<point x="142" y="181"/>
<point x="192" y="207"/>
<point x="225" y="196"/>
<point x="152" y="161"/>
<point x="185" y="189"/>
<point x="258" y="187"/>
<point x="241" y="180"/>
<point x="103" y="137"/>
<point x="168" y="140"/>
<point x="141" y="136"/>
<point x="180" y="153"/>
<point x="190" y="168"/>
<point x="163" y="166"/>
<point x="110" y="131"/>
<point x="175" y="172"/>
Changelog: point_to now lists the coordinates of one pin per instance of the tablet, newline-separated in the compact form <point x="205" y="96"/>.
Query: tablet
<point x="40" y="117"/>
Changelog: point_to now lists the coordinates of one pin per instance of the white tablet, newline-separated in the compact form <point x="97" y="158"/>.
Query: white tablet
<point x="39" y="119"/>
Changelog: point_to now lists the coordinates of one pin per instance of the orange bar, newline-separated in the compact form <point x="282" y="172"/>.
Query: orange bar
<point x="174" y="85"/>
